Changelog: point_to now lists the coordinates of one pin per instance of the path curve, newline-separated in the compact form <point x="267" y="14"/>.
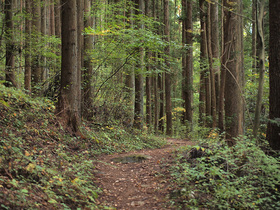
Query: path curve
<point x="137" y="185"/>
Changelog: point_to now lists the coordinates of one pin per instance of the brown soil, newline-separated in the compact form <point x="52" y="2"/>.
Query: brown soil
<point x="143" y="185"/>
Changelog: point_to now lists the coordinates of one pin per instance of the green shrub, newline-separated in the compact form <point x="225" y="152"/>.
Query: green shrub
<point x="222" y="177"/>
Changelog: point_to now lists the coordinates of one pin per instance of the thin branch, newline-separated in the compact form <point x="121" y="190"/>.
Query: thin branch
<point x="118" y="69"/>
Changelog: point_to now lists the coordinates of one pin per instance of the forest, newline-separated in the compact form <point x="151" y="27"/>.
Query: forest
<point x="190" y="89"/>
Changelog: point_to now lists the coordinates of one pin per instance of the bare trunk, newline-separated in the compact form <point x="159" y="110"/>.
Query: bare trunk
<point x="214" y="15"/>
<point x="187" y="85"/>
<point x="213" y="121"/>
<point x="168" y="105"/>
<point x="80" y="59"/>
<point x="36" y="26"/>
<point x="254" y="34"/>
<point x="261" y="66"/>
<point x="273" y="127"/>
<point x="203" y="64"/>
<point x="139" y="89"/>
<point x="68" y="104"/>
<point x="233" y="65"/>
<point x="27" y="73"/>
<point x="221" y="115"/>
<point x="10" y="58"/>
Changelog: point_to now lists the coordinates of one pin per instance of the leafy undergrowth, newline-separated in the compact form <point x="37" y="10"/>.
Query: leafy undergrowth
<point x="42" y="166"/>
<point x="215" y="176"/>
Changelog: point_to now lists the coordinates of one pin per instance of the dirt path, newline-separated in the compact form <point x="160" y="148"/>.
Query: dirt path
<point x="137" y="185"/>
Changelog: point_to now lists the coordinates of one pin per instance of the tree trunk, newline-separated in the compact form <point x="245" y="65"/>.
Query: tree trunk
<point x="273" y="127"/>
<point x="261" y="65"/>
<point x="221" y="114"/>
<point x="80" y="59"/>
<point x="52" y="19"/>
<point x="139" y="88"/>
<point x="161" y="102"/>
<point x="233" y="64"/>
<point x="10" y="58"/>
<point x="254" y="34"/>
<point x="27" y="72"/>
<point x="44" y="29"/>
<point x="187" y="85"/>
<point x="36" y="26"/>
<point x="168" y="105"/>
<point x="213" y="121"/>
<point x="214" y="15"/>
<point x="68" y="104"/>
<point x="88" y="67"/>
<point x="57" y="18"/>
<point x="148" y="76"/>
<point x="203" y="64"/>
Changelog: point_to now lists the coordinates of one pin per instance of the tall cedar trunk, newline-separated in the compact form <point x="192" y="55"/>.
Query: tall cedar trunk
<point x="261" y="65"/>
<point x="43" y="59"/>
<point x="233" y="65"/>
<point x="149" y="75"/>
<point x="161" y="101"/>
<point x="155" y="87"/>
<point x="214" y="15"/>
<point x="80" y="60"/>
<point x="254" y="34"/>
<point x="139" y="89"/>
<point x="188" y="62"/>
<point x="273" y="127"/>
<point x="213" y="122"/>
<point x="27" y="72"/>
<point x="203" y="60"/>
<point x="130" y="82"/>
<point x="36" y="26"/>
<point x="68" y="105"/>
<point x="88" y="67"/>
<point x="57" y="18"/>
<point x="10" y="58"/>
<point x="184" y="17"/>
<point x="52" y="18"/>
<point x="156" y="104"/>
<point x="168" y="105"/>
<point x="221" y="105"/>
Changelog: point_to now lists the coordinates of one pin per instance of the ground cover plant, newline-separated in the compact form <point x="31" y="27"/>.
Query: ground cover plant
<point x="42" y="165"/>
<point x="215" y="176"/>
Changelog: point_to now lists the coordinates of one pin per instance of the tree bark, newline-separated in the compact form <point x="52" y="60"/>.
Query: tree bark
<point x="261" y="65"/>
<point x="80" y="59"/>
<point x="221" y="114"/>
<point x="27" y="72"/>
<point x="187" y="85"/>
<point x="10" y="58"/>
<point x="254" y="34"/>
<point x="161" y="101"/>
<point x="203" y="64"/>
<point x="57" y="18"/>
<point x="149" y="75"/>
<point x="273" y="127"/>
<point x="36" y="26"/>
<point x="139" y="88"/>
<point x="214" y="15"/>
<point x="88" y="67"/>
<point x="233" y="64"/>
<point x="168" y="105"/>
<point x="213" y="121"/>
<point x="68" y="104"/>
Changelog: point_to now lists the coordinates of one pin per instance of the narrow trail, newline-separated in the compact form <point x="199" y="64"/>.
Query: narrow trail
<point x="129" y="186"/>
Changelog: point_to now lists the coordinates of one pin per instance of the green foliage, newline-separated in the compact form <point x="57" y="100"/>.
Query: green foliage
<point x="215" y="176"/>
<point x="43" y="166"/>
